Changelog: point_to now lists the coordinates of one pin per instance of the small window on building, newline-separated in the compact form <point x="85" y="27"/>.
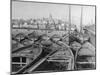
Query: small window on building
<point x="23" y="59"/>
<point x="18" y="63"/>
<point x="15" y="59"/>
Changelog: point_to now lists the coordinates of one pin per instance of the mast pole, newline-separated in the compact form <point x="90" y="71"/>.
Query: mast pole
<point x="81" y="20"/>
<point x="69" y="30"/>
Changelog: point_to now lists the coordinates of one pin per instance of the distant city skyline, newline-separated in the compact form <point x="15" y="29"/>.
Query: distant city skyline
<point x="27" y="10"/>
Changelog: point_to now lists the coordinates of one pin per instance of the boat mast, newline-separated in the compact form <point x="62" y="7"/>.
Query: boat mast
<point x="69" y="21"/>
<point x="81" y="20"/>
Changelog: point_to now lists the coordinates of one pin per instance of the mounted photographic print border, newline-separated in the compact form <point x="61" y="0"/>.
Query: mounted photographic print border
<point x="52" y="37"/>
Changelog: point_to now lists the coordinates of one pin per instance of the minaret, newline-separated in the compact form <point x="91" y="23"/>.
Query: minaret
<point x="50" y="16"/>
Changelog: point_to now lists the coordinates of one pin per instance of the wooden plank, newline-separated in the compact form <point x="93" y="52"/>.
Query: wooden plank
<point x="50" y="60"/>
<point x="85" y="62"/>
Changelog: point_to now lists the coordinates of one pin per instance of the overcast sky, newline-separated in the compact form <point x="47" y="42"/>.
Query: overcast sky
<point x="27" y="10"/>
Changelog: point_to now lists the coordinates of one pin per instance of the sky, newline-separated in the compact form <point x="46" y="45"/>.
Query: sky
<point x="27" y="10"/>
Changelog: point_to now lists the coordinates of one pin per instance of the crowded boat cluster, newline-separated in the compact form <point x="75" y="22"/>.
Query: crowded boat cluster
<point x="55" y="49"/>
<point x="51" y="37"/>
